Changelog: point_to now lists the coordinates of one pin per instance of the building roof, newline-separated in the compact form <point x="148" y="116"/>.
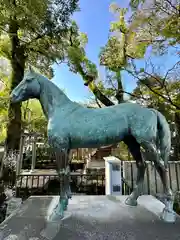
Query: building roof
<point x="96" y="164"/>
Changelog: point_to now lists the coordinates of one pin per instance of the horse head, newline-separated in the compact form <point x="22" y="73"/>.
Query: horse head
<point x="28" y="88"/>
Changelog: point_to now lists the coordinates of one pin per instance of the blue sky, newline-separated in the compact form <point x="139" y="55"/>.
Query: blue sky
<point x="94" y="20"/>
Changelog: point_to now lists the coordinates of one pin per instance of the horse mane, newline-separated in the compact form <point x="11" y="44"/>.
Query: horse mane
<point x="50" y="95"/>
<point x="50" y="89"/>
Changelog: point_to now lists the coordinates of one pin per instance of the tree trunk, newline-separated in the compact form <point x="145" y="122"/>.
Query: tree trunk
<point x="89" y="82"/>
<point x="177" y="142"/>
<point x="120" y="92"/>
<point x="18" y="65"/>
<point x="99" y="95"/>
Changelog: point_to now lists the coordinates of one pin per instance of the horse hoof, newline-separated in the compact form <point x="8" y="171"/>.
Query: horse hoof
<point x="131" y="202"/>
<point x="69" y="196"/>
<point x="168" y="215"/>
<point x="55" y="216"/>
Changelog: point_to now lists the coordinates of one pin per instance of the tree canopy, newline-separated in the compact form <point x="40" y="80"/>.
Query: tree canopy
<point x="144" y="25"/>
<point x="42" y="34"/>
<point x="36" y="33"/>
<point x="41" y="30"/>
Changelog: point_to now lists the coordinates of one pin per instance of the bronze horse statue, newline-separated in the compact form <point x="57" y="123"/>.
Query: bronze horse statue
<point x="71" y="125"/>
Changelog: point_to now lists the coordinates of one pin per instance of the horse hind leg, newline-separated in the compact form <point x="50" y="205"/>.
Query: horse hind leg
<point x="168" y="213"/>
<point x="162" y="169"/>
<point x="134" y="148"/>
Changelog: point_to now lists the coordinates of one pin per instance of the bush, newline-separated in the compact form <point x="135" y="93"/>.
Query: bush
<point x="176" y="205"/>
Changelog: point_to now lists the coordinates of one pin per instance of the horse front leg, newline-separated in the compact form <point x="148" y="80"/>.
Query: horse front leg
<point x="63" y="171"/>
<point x="61" y="206"/>
<point x="61" y="165"/>
<point x="67" y="187"/>
<point x="68" y="177"/>
<point x="67" y="182"/>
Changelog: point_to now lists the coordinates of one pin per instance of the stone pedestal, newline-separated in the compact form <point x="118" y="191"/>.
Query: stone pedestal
<point x="92" y="218"/>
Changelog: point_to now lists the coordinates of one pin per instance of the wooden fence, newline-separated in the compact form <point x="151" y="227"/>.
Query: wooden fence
<point x="152" y="181"/>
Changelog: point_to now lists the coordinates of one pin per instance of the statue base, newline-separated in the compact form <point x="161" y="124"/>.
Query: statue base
<point x="90" y="217"/>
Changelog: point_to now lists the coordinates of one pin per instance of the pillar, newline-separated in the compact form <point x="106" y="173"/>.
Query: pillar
<point x="33" y="163"/>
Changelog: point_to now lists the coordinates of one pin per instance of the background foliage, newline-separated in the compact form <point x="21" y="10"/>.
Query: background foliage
<point x="45" y="35"/>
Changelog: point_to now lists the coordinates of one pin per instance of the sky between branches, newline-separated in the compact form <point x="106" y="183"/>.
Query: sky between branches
<point x="94" y="20"/>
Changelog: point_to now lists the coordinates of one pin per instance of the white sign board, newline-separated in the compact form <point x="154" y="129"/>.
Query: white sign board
<point x="113" y="176"/>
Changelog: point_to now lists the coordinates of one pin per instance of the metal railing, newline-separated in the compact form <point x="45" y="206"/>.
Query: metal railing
<point x="87" y="184"/>
<point x="46" y="184"/>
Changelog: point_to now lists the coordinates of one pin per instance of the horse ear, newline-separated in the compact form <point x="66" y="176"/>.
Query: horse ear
<point x="31" y="69"/>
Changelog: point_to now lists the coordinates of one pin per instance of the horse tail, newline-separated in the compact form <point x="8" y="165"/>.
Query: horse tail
<point x="164" y="137"/>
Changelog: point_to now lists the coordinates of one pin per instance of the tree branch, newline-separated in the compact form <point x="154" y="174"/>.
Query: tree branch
<point x="160" y="95"/>
<point x="167" y="73"/>
<point x="97" y="102"/>
<point x="170" y="3"/>
<point x="39" y="36"/>
<point x="43" y="54"/>
<point x="168" y="99"/>
<point x="12" y="34"/>
<point x="163" y="85"/>
<point x="134" y="95"/>
<point x="157" y="79"/>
